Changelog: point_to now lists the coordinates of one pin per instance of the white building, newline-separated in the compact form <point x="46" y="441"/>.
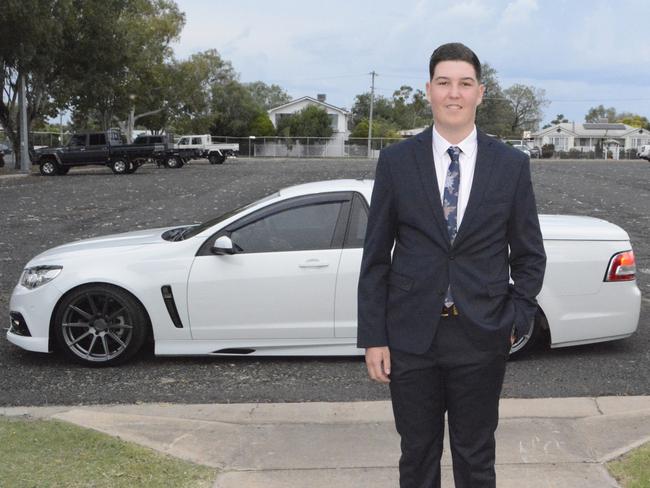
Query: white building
<point x="612" y="137"/>
<point x="338" y="116"/>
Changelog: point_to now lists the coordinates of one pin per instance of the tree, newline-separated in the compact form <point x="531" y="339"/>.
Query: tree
<point x="526" y="102"/>
<point x="494" y="112"/>
<point x="410" y="108"/>
<point x="380" y="128"/>
<point x="559" y="119"/>
<point x="31" y="48"/>
<point x="130" y="78"/>
<point x="382" y="108"/>
<point x="193" y="82"/>
<point x="311" y="121"/>
<point x="634" y="120"/>
<point x="267" y="96"/>
<point x="233" y="109"/>
<point x="262" y="126"/>
<point x="596" y="114"/>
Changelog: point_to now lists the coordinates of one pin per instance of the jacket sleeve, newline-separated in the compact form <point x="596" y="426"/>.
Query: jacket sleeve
<point x="376" y="261"/>
<point x="527" y="256"/>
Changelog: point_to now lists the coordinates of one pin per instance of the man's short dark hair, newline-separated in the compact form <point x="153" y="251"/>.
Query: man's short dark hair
<point x="454" y="51"/>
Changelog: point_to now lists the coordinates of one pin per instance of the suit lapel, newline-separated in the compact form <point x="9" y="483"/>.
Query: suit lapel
<point x="482" y="171"/>
<point x="427" y="170"/>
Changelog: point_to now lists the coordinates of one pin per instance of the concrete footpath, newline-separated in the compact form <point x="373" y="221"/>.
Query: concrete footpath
<point x="540" y="442"/>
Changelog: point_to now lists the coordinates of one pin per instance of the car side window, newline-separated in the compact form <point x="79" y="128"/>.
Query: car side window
<point x="357" y="224"/>
<point x="78" y="140"/>
<point x="183" y="142"/>
<point x="97" y="140"/>
<point x="300" y="228"/>
<point x="196" y="140"/>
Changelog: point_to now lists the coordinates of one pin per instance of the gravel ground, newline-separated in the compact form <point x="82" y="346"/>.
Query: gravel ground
<point x="40" y="212"/>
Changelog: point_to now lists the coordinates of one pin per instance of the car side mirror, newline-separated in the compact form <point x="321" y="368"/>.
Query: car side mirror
<point x="223" y="245"/>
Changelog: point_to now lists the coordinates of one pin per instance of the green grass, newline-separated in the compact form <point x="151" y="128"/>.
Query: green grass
<point x="633" y="469"/>
<point x="47" y="453"/>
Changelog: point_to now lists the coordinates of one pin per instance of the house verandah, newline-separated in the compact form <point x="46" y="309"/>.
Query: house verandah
<point x="598" y="140"/>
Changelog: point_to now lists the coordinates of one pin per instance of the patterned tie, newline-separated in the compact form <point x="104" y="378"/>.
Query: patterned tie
<point x="450" y="203"/>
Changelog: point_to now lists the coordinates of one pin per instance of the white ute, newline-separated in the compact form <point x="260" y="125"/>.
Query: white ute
<point x="201" y="147"/>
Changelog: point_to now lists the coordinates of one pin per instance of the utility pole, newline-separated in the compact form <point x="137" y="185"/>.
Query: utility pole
<point x="372" y="103"/>
<point x="25" y="162"/>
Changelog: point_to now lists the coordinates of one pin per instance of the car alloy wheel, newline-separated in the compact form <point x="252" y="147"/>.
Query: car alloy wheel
<point x="100" y="325"/>
<point x="528" y="342"/>
<point x="120" y="167"/>
<point x="49" y="167"/>
<point x="174" y="162"/>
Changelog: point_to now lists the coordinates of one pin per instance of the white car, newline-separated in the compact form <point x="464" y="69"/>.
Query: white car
<point x="279" y="277"/>
<point x="643" y="152"/>
<point x="524" y="149"/>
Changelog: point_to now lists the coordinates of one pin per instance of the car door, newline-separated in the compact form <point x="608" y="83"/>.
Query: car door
<point x="280" y="284"/>
<point x="345" y="305"/>
<point x="97" y="150"/>
<point x="75" y="151"/>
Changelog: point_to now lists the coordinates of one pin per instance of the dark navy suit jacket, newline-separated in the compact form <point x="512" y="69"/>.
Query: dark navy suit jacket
<point x="400" y="296"/>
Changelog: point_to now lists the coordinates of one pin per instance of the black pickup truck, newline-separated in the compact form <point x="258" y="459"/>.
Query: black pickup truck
<point x="103" y="148"/>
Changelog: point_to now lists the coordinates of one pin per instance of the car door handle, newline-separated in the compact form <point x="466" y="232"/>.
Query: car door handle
<point x="313" y="263"/>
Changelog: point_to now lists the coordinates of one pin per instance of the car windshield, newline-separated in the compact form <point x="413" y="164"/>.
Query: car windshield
<point x="197" y="229"/>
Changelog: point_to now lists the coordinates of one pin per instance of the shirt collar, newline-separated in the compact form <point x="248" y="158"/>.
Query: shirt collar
<point x="467" y="145"/>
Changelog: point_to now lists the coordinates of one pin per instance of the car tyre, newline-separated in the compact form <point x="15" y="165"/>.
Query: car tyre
<point x="120" y="167"/>
<point x="524" y="345"/>
<point x="100" y="325"/>
<point x="173" y="162"/>
<point x="216" y="158"/>
<point x="49" y="167"/>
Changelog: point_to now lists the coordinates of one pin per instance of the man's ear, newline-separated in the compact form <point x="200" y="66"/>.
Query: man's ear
<point x="481" y="89"/>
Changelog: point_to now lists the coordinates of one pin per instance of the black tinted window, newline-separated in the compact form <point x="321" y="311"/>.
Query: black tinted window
<point x="97" y="140"/>
<point x="196" y="140"/>
<point x="294" y="229"/>
<point x="358" y="221"/>
<point x="78" y="140"/>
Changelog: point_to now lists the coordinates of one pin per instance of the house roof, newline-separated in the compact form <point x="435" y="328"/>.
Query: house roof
<point x="591" y="130"/>
<point x="309" y="99"/>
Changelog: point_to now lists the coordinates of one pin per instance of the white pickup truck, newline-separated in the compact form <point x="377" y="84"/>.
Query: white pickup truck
<point x="201" y="147"/>
<point x="643" y="152"/>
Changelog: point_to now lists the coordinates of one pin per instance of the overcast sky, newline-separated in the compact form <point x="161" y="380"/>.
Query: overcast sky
<point x="582" y="52"/>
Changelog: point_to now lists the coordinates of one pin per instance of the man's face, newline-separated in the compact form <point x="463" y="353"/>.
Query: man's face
<point x="454" y="93"/>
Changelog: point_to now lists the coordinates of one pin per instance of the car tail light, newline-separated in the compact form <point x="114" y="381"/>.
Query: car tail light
<point x="622" y="267"/>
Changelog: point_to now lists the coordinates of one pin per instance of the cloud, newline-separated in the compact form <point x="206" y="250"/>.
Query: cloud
<point x="518" y="11"/>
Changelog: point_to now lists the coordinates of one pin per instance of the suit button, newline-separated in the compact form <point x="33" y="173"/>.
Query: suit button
<point x="452" y="257"/>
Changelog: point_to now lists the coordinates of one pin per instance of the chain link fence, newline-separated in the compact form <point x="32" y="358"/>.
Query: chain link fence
<point x="307" y="147"/>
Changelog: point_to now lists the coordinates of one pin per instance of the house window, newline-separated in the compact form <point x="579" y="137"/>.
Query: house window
<point x="279" y="117"/>
<point x="560" y="143"/>
<point x="334" y="121"/>
<point x="639" y="141"/>
<point x="583" y="142"/>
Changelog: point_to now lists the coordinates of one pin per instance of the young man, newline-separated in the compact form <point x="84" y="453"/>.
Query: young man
<point x="437" y="315"/>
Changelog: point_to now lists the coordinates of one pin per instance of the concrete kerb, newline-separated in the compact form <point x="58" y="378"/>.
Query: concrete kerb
<point x="561" y="441"/>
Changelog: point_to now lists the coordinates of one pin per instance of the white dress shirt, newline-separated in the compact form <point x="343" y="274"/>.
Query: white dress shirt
<point x="467" y="160"/>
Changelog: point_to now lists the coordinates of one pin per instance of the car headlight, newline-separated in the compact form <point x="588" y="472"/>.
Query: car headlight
<point x="39" y="275"/>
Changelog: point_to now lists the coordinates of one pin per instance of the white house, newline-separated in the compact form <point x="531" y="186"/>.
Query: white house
<point x="612" y="137"/>
<point x="338" y="116"/>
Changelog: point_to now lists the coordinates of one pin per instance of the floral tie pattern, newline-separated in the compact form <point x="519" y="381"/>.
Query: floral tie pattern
<point x="450" y="203"/>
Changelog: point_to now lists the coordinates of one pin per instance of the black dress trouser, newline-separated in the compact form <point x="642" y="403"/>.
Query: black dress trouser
<point x="459" y="377"/>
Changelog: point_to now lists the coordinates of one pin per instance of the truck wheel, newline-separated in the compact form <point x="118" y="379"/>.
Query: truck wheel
<point x="173" y="162"/>
<point x="120" y="166"/>
<point x="132" y="168"/>
<point x="216" y="158"/>
<point x="49" y="167"/>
